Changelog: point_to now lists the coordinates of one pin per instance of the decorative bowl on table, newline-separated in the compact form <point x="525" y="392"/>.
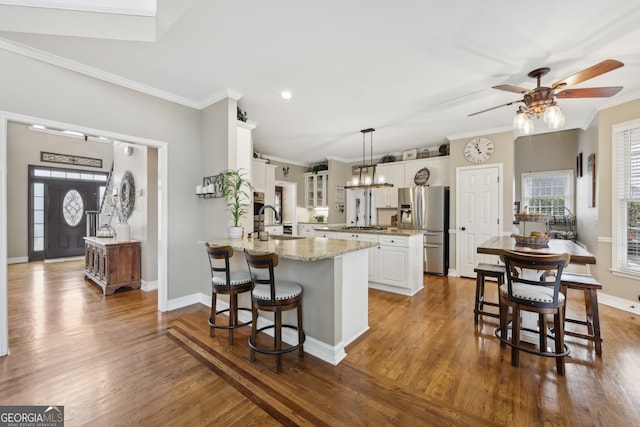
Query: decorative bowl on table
<point x="532" y="241"/>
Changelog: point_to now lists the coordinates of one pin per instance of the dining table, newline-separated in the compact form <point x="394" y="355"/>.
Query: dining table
<point x="578" y="255"/>
<point x="499" y="244"/>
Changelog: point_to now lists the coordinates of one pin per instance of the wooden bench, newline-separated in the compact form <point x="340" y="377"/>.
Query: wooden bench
<point x="590" y="286"/>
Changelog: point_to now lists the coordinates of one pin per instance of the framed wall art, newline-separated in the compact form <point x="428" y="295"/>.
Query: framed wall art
<point x="591" y="169"/>
<point x="579" y="166"/>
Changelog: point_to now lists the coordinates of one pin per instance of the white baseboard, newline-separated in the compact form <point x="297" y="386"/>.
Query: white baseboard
<point x="619" y="303"/>
<point x="149" y="286"/>
<point x="453" y="272"/>
<point x="319" y="349"/>
<point x="394" y="289"/>
<point x="184" y="301"/>
<point x="73" y="258"/>
<point x="17" y="260"/>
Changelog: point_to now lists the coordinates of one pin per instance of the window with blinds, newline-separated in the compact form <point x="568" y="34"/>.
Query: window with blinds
<point x="626" y="231"/>
<point x="549" y="193"/>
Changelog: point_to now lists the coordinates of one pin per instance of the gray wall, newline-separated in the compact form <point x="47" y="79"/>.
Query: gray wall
<point x="41" y="90"/>
<point x="542" y="153"/>
<point x="23" y="149"/>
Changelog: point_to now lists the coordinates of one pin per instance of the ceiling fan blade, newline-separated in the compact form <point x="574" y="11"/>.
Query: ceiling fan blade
<point x="497" y="106"/>
<point x="511" y="88"/>
<point x="589" y="73"/>
<point x="589" y="92"/>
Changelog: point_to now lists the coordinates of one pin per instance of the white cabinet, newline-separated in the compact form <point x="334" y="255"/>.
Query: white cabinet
<point x="315" y="189"/>
<point x="396" y="264"/>
<point x="438" y="166"/>
<point x="393" y="173"/>
<point x="258" y="174"/>
<point x="393" y="261"/>
<point x="263" y="179"/>
<point x="306" y="230"/>
<point x="274" y="229"/>
<point x="399" y="264"/>
<point x="373" y="252"/>
<point x="327" y="234"/>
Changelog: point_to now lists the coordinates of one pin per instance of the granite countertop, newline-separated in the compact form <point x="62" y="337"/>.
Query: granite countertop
<point x="298" y="248"/>
<point x="390" y="231"/>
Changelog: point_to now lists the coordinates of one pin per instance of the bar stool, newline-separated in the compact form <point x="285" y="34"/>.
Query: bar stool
<point x="226" y="282"/>
<point x="484" y="270"/>
<point x="529" y="288"/>
<point x="590" y="286"/>
<point x="276" y="297"/>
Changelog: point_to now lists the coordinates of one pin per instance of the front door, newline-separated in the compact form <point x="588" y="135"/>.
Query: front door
<point x="479" y="214"/>
<point x="67" y="203"/>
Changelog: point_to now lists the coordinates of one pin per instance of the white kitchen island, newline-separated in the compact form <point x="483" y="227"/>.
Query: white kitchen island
<point x="334" y="277"/>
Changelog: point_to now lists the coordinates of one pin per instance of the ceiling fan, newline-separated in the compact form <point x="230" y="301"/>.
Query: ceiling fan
<point x="542" y="99"/>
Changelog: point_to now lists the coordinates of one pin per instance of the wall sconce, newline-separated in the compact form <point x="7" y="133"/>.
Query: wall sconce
<point x="285" y="170"/>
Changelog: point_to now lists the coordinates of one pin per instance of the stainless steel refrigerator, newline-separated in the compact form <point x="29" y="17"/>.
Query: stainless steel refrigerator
<point x="427" y="209"/>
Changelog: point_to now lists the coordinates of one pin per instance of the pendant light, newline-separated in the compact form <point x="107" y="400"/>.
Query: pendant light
<point x="367" y="182"/>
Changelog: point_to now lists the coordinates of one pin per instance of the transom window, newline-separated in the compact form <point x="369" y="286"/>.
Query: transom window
<point x="548" y="193"/>
<point x="626" y="198"/>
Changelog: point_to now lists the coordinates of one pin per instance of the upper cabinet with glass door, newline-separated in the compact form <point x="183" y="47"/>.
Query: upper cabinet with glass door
<point x="315" y="186"/>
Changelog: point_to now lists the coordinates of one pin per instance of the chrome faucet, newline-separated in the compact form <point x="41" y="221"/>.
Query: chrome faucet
<point x="261" y="233"/>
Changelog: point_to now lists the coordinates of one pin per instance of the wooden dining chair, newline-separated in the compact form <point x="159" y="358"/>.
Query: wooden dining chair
<point x="533" y="284"/>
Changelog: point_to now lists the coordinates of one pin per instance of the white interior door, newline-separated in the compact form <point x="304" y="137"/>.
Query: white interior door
<point x="479" y="213"/>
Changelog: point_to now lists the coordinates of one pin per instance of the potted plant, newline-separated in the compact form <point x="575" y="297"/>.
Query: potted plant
<point x="237" y="190"/>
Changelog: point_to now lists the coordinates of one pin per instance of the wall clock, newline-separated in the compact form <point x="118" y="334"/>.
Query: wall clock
<point x="422" y="176"/>
<point x="478" y="150"/>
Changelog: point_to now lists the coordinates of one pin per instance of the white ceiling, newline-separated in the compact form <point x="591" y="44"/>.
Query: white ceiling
<point x="411" y="70"/>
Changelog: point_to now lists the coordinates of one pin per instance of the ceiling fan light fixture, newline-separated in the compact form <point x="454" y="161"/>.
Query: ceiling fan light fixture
<point x="528" y="126"/>
<point x="553" y="117"/>
<point x="519" y="121"/>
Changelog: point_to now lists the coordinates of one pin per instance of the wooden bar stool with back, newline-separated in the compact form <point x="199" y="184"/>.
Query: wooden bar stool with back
<point x="273" y="296"/>
<point x="226" y="282"/>
<point x="529" y="288"/>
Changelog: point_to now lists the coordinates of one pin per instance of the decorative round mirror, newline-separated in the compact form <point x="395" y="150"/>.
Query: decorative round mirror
<point x="127" y="193"/>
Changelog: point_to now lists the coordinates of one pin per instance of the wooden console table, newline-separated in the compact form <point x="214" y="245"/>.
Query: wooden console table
<point x="111" y="264"/>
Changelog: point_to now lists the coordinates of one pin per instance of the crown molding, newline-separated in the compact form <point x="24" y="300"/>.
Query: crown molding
<point x="480" y="132"/>
<point x="134" y="7"/>
<point x="67" y="64"/>
<point x="219" y="96"/>
<point x="287" y="161"/>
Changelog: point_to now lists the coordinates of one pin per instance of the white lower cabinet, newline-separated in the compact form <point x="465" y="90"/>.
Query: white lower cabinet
<point x="396" y="264"/>
<point x="306" y="230"/>
<point x="320" y="233"/>
<point x="274" y="229"/>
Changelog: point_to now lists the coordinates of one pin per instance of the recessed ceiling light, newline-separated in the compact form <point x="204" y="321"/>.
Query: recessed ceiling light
<point x="286" y="94"/>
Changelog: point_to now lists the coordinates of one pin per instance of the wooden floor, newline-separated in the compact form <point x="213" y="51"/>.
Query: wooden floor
<point x="117" y="361"/>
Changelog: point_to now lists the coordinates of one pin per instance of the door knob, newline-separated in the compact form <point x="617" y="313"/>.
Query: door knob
<point x="463" y="228"/>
